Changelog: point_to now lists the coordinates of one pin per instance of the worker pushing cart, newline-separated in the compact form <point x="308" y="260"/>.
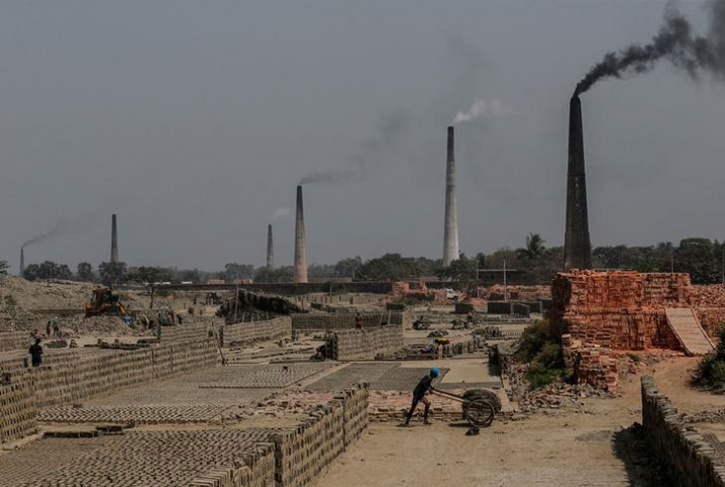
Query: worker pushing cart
<point x="479" y="406"/>
<point x="421" y="389"/>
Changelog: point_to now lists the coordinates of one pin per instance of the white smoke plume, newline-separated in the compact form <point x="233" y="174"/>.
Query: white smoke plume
<point x="494" y="108"/>
<point x="280" y="212"/>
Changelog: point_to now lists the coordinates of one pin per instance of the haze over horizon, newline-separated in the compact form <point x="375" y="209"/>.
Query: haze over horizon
<point x="194" y="122"/>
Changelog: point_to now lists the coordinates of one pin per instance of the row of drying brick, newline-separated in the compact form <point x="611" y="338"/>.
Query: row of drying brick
<point x="247" y="333"/>
<point x="24" y="391"/>
<point x="144" y="414"/>
<point x="366" y="344"/>
<point x="14" y="340"/>
<point x="688" y="457"/>
<point x="341" y="321"/>
<point x="299" y="454"/>
<point x="303" y="452"/>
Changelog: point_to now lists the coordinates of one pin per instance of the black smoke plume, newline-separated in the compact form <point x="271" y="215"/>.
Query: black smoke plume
<point x="674" y="42"/>
<point x="41" y="237"/>
<point x="66" y="226"/>
<point x="388" y="131"/>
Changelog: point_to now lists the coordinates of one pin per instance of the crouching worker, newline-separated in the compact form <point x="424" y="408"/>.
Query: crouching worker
<point x="424" y="386"/>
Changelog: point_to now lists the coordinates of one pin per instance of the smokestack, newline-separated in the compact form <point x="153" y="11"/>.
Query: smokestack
<point x="577" y="245"/>
<point x="450" y="234"/>
<point x="114" y="240"/>
<point x="22" y="262"/>
<point x="300" y="252"/>
<point x="270" y="248"/>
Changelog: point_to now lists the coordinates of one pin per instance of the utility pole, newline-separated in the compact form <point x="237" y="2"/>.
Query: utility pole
<point x="672" y="260"/>
<point x="236" y="295"/>
<point x="723" y="261"/>
<point x="505" y="282"/>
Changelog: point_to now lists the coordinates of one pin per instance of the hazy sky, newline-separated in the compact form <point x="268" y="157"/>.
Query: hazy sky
<point x="195" y="121"/>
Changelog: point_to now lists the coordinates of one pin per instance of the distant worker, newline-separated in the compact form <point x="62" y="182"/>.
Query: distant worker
<point x="358" y="321"/>
<point x="36" y="353"/>
<point x="424" y="385"/>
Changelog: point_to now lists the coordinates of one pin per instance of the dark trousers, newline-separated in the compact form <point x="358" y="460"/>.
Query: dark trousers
<point x="416" y="400"/>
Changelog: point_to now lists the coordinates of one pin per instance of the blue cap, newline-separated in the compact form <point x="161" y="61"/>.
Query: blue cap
<point x="435" y="372"/>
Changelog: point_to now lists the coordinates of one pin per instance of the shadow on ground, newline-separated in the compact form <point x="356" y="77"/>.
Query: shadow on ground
<point x="643" y="469"/>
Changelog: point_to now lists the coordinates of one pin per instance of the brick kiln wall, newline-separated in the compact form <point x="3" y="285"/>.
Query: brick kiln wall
<point x="365" y="344"/>
<point x="247" y="333"/>
<point x="619" y="309"/>
<point x="690" y="459"/>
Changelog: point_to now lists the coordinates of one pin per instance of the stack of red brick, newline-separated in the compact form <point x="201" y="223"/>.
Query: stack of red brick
<point x="597" y="366"/>
<point x="400" y="289"/>
<point x="711" y="312"/>
<point x="419" y="291"/>
<point x="621" y="310"/>
<point x="522" y="293"/>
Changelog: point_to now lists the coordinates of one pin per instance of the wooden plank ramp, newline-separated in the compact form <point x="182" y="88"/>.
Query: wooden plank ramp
<point x="689" y="332"/>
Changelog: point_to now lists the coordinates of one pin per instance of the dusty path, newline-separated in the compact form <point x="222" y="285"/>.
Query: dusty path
<point x="546" y="451"/>
<point x="592" y="443"/>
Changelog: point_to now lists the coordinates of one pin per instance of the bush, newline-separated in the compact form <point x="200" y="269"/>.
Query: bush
<point x="539" y="375"/>
<point x="711" y="368"/>
<point x="543" y="353"/>
<point x="533" y="339"/>
<point x="635" y="358"/>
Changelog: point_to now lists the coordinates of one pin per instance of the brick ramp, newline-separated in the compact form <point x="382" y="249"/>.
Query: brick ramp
<point x="687" y="328"/>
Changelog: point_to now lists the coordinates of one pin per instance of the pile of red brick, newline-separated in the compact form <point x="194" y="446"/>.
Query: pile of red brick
<point x="522" y="293"/>
<point x="597" y="366"/>
<point x="621" y="310"/>
<point x="712" y="295"/>
<point x="418" y="291"/>
<point x="400" y="289"/>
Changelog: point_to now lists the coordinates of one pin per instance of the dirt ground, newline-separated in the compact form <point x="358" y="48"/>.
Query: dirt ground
<point x="26" y="305"/>
<point x="597" y="443"/>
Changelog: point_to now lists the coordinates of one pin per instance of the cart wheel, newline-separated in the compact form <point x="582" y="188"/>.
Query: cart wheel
<point x="480" y="413"/>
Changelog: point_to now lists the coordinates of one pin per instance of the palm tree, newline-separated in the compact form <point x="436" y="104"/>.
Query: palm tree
<point x="534" y="247"/>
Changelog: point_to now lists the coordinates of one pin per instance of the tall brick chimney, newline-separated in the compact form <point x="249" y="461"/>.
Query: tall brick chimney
<point x="114" y="240"/>
<point x="300" y="243"/>
<point x="270" y="248"/>
<point x="577" y="245"/>
<point x="450" y="233"/>
<point x="22" y="262"/>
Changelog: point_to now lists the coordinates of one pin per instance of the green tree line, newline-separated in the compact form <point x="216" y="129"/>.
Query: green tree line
<point x="702" y="258"/>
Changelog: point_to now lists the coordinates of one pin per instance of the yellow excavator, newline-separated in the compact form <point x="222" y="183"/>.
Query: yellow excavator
<point x="104" y="302"/>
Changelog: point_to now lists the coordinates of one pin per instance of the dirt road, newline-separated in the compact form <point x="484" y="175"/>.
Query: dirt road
<point x="595" y="442"/>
